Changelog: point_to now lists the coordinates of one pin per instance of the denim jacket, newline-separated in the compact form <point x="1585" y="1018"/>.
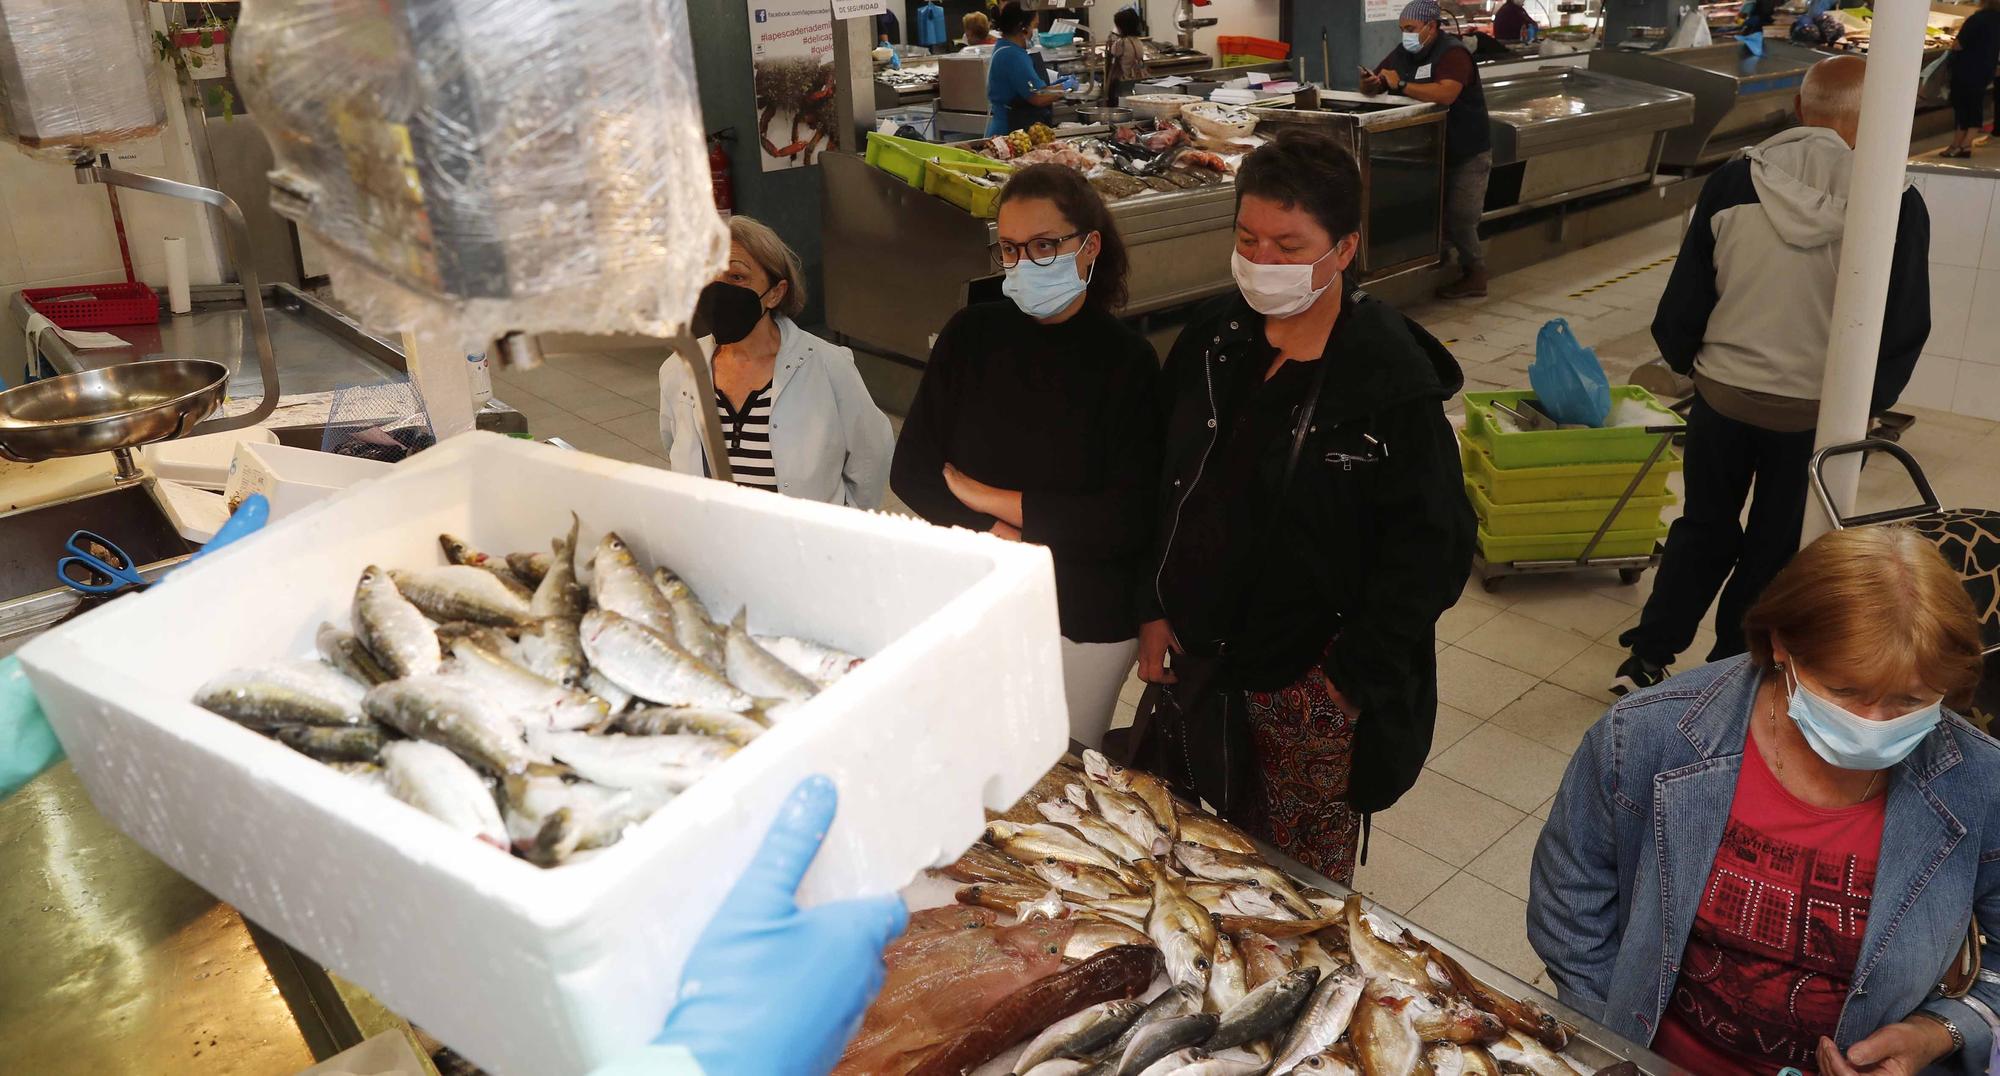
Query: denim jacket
<point x="1622" y="864"/>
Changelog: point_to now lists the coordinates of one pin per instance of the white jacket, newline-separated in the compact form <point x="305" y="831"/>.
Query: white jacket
<point x="829" y="442"/>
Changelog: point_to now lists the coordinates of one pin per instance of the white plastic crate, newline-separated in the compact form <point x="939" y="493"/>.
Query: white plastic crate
<point x="960" y="707"/>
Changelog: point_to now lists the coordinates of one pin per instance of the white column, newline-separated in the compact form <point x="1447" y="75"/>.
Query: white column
<point x="1895" y="57"/>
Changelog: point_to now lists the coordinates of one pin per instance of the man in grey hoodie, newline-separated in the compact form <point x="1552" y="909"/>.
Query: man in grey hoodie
<point x="1747" y="313"/>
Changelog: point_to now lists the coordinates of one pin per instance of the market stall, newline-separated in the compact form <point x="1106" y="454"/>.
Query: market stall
<point x="1563" y="133"/>
<point x="1740" y="99"/>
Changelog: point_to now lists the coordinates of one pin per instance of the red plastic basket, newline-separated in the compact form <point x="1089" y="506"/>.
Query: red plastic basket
<point x="1253" y="46"/>
<point x="108" y="304"/>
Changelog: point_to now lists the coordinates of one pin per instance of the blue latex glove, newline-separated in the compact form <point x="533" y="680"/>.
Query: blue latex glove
<point x="27" y="744"/>
<point x="773" y="989"/>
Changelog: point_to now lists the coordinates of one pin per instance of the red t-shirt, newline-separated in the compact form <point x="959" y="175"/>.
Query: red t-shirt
<point x="1778" y="932"/>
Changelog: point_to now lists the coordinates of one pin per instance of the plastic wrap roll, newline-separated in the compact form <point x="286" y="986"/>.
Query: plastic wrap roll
<point x="480" y="166"/>
<point x="177" y="274"/>
<point x="76" y="75"/>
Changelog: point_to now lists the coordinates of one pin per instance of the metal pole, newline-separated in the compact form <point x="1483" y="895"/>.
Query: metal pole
<point x="854" y="80"/>
<point x="1874" y="198"/>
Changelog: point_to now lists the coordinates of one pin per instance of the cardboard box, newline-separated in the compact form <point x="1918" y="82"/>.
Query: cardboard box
<point x="292" y="478"/>
<point x="552" y="972"/>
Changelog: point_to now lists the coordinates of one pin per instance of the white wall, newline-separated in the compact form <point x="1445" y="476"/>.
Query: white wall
<point x="1960" y="367"/>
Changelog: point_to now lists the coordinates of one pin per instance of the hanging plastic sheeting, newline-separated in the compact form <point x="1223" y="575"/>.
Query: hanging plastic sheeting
<point x="477" y="167"/>
<point x="76" y="76"/>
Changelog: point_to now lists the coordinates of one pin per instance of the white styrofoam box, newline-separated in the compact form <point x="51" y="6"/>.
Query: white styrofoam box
<point x="1982" y="323"/>
<point x="292" y="478"/>
<point x="1958" y="208"/>
<point x="959" y="707"/>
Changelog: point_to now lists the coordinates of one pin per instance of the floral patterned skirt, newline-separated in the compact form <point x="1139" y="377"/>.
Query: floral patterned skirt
<point x="1305" y="750"/>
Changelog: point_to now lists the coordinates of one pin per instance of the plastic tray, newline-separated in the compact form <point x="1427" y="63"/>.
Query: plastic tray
<point x="1568" y="546"/>
<point x="110" y="304"/>
<point x="948" y="181"/>
<point x="1263" y="48"/>
<point x="1563" y="482"/>
<point x="553" y="972"/>
<point x="1557" y="517"/>
<point x="1612" y="444"/>
<point x="904" y="157"/>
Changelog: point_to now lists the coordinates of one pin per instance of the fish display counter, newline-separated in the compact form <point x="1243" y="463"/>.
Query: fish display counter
<point x="1740" y="99"/>
<point x="1563" y="133"/>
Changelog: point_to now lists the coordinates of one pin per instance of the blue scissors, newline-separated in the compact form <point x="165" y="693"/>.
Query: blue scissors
<point x="106" y="568"/>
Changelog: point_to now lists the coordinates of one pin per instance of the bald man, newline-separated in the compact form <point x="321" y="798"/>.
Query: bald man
<point x="1747" y="313"/>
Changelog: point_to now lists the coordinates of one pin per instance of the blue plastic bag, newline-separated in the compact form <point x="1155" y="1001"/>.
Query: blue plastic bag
<point x="1568" y="379"/>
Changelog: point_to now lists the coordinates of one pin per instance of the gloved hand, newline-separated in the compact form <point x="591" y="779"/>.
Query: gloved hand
<point x="27" y="744"/>
<point x="771" y="988"/>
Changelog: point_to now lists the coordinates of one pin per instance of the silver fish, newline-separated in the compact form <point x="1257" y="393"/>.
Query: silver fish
<point x="645" y="663"/>
<point x="1090" y="883"/>
<point x="289" y="692"/>
<point x="602" y="686"/>
<point x="587" y="815"/>
<point x="1222" y="1066"/>
<point x="1162" y="1037"/>
<point x="1204" y="862"/>
<point x="395" y="631"/>
<point x="752" y="668"/>
<point x="1385" y="1041"/>
<point x="1174" y="1062"/>
<point x="367" y="773"/>
<point x="1225" y="975"/>
<point x="1149" y="790"/>
<point x="459" y="551"/>
<point x="344" y="652"/>
<point x="447" y="710"/>
<point x="461" y="592"/>
<point x="1061" y="1066"/>
<point x="1324" y="1019"/>
<point x="1265" y="1011"/>
<point x="1080" y="1034"/>
<point x="693" y="629"/>
<point x="738" y="729"/>
<point x="1203" y="828"/>
<point x="1333" y="1061"/>
<point x="1124" y="811"/>
<point x="644" y="762"/>
<point x="617" y="585"/>
<point x="1182" y="929"/>
<point x="351" y="743"/>
<point x="559" y="594"/>
<point x="1093" y="937"/>
<point x="1034" y="841"/>
<point x="1180" y="999"/>
<point x="532" y="698"/>
<point x="1529" y="1056"/>
<point x="1093" y="829"/>
<point x="530" y="568"/>
<point x="436" y="782"/>
<point x="553" y="650"/>
<point x="821" y="664"/>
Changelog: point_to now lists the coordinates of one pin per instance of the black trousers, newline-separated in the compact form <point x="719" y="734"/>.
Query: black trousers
<point x="1709" y="548"/>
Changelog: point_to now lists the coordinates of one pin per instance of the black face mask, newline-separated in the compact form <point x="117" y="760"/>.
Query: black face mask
<point x="728" y="312"/>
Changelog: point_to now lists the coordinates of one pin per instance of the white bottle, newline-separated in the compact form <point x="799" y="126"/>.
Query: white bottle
<point x="480" y="375"/>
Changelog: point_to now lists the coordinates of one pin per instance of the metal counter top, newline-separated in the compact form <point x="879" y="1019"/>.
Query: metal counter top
<point x="1740" y="99"/>
<point x="1558" y="108"/>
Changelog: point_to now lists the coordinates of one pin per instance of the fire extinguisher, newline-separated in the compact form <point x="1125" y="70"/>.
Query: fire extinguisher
<point x="718" y="170"/>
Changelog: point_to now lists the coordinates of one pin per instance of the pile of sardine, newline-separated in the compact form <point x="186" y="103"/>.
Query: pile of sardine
<point x="1264" y="975"/>
<point x="542" y="702"/>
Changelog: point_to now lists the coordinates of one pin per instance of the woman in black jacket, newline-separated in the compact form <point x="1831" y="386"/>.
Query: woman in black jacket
<point x="1318" y="596"/>
<point x="1036" y="420"/>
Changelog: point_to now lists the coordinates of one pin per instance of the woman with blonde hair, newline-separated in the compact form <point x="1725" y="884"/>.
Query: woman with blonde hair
<point x="796" y="418"/>
<point x="1774" y="860"/>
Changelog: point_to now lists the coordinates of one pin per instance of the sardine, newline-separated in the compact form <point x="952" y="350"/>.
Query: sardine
<point x="821" y="664"/>
<point x="1028" y="843"/>
<point x="617" y="586"/>
<point x="530" y="697"/>
<point x="1204" y="828"/>
<point x="1150" y="790"/>
<point x="461" y="592"/>
<point x="616" y="698"/>
<point x="530" y="568"/>
<point x="288" y="692"/>
<point x="1263" y="960"/>
<point x="645" y="663"/>
<point x="1180" y="999"/>
<point x="448" y="711"/>
<point x="1204" y="862"/>
<point x="344" y="652"/>
<point x="1088" y="883"/>
<point x="1124" y="811"/>
<point x="738" y="729"/>
<point x="1385" y="1041"/>
<point x="756" y="671"/>
<point x="1176" y="1061"/>
<point x="367" y="773"/>
<point x="1081" y="1034"/>
<point x="1162" y="1037"/>
<point x="438" y="783"/>
<point x="1333" y="1061"/>
<point x="1325" y="1017"/>
<point x="395" y="631"/>
<point x="650" y="763"/>
<point x="1265" y="1011"/>
<point x="352" y="743"/>
<point x="559" y="594"/>
<point x="1092" y="937"/>
<point x="1181" y="928"/>
<point x="459" y="551"/>
<point x="694" y="630"/>
<point x="1093" y="829"/>
<point x="1527" y="1055"/>
<point x="1225" y="976"/>
<point x="553" y="650"/>
<point x="1377" y="956"/>
<point x="585" y="814"/>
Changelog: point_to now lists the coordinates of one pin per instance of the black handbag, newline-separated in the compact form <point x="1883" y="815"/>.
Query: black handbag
<point x="1194" y="733"/>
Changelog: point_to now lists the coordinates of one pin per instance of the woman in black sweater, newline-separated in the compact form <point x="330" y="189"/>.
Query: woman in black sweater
<point x="1036" y="421"/>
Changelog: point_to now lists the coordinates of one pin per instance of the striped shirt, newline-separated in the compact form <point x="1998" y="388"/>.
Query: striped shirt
<point x="746" y="435"/>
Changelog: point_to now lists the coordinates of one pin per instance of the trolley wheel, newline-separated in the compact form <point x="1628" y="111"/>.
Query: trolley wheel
<point x="1630" y="576"/>
<point x="1489" y="583"/>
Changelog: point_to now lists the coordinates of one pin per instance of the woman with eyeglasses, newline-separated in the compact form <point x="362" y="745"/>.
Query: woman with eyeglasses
<point x="1036" y="421"/>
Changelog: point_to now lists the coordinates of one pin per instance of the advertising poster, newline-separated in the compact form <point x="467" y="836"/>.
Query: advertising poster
<point x="1381" y="10"/>
<point x="791" y="64"/>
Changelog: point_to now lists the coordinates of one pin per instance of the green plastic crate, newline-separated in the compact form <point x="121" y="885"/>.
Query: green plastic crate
<point x="904" y="157"/>
<point x="1568" y="546"/>
<point x="1541" y="448"/>
<point x="1559" y="517"/>
<point x="1564" y="482"/>
<point x="950" y="182"/>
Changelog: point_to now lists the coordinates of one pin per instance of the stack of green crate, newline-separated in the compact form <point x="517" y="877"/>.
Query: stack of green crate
<point x="1541" y="495"/>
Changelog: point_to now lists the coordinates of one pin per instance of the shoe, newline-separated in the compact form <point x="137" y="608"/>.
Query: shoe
<point x="1955" y="154"/>
<point x="1636" y="674"/>
<point x="1472" y="285"/>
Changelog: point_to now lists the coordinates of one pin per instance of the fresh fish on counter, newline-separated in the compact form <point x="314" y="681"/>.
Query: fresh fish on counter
<point x="437" y="782"/>
<point x="368" y="773"/>
<point x="1526" y="1055"/>
<point x="351" y="743"/>
<point x="448" y="711"/>
<point x="1149" y="790"/>
<point x="1034" y="841"/>
<point x="1379" y="957"/>
<point x="618" y="760"/>
<point x="738" y="729"/>
<point x="1263" y="959"/>
<point x="558" y="594"/>
<point x="459" y="551"/>
<point x="533" y="699"/>
<point x="647" y="664"/>
<point x="982" y="863"/>
<point x="1061" y="1066"/>
<point x="343" y="651"/>
<point x="1124" y="811"/>
<point x="1324" y="1019"/>
<point x="1452" y="1059"/>
<point x="1203" y="828"/>
<point x="1181" y="928"/>
<point x="1207" y="1065"/>
<point x="530" y="568"/>
<point x="1386" y="1041"/>
<point x="694" y="629"/>
<point x="618" y="586"/>
<point x="1225" y="976"/>
<point x="1309" y="953"/>
<point x="1333" y="1061"/>
<point x="1264" y="1012"/>
<point x="1094" y="829"/>
<point x="758" y="672"/>
<point x="552" y="649"/>
<point x="1213" y="863"/>
<point x="821" y="664"/>
<point x="1162" y="1037"/>
<point x="394" y="630"/>
<point x="1181" y="999"/>
<point x="1521" y="1015"/>
<point x="461" y="592"/>
<point x="1022" y="902"/>
<point x="1092" y="937"/>
<point x="549" y="819"/>
<point x="1111" y="975"/>
<point x="616" y="698"/>
<point x="1093" y="883"/>
<point x="290" y="692"/>
<point x="1082" y="1034"/>
<point x="1178" y="1061"/>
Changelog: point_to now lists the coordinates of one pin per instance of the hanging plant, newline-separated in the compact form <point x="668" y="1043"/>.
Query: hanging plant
<point x="192" y="50"/>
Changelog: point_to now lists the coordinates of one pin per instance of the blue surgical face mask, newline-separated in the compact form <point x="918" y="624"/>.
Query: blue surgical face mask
<point x="1412" y="42"/>
<point x="1852" y="742"/>
<point x="1042" y="290"/>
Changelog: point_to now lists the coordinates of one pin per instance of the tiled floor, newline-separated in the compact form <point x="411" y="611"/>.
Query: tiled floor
<point x="1522" y="669"/>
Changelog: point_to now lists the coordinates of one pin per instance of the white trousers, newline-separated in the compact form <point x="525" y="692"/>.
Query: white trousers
<point x="1093" y="674"/>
